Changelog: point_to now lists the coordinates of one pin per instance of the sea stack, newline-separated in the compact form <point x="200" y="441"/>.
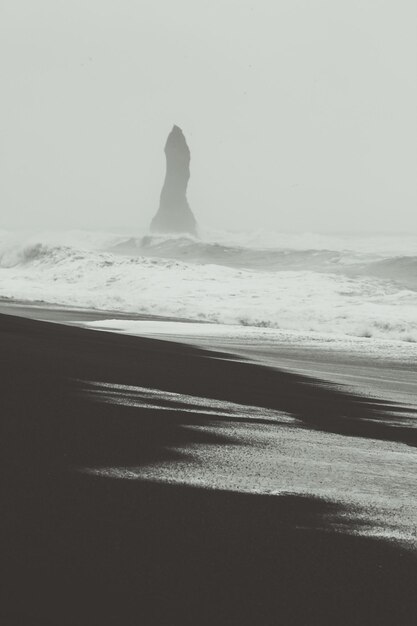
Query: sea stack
<point x="174" y="214"/>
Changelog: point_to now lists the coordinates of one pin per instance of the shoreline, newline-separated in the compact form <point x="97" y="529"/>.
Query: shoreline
<point x="335" y="361"/>
<point x="357" y="346"/>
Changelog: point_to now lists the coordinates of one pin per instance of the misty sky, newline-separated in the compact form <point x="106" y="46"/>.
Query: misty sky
<point x="300" y="114"/>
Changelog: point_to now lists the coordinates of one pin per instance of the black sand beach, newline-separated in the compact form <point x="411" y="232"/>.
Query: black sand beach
<point x="83" y="548"/>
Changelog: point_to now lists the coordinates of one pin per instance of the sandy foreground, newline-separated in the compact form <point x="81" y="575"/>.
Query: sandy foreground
<point x="158" y="482"/>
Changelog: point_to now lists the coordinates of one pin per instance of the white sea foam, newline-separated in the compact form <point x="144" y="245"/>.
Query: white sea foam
<point x="236" y="335"/>
<point x="342" y="289"/>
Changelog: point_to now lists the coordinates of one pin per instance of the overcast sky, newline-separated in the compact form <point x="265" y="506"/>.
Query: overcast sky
<point x="300" y="114"/>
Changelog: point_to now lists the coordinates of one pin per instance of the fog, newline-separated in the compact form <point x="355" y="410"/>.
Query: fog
<point x="300" y="115"/>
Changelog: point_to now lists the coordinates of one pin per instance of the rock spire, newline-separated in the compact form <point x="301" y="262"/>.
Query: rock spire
<point x="174" y="214"/>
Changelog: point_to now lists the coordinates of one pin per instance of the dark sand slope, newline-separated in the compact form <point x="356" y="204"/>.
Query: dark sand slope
<point x="82" y="549"/>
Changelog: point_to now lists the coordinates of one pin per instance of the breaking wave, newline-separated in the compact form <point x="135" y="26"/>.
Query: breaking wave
<point x="344" y="288"/>
<point x="402" y="269"/>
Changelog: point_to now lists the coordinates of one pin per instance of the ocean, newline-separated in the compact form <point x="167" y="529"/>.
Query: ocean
<point x="308" y="285"/>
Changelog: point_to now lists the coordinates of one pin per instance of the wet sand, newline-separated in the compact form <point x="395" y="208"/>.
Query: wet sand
<point x="391" y="378"/>
<point x="125" y="505"/>
<point x="68" y="315"/>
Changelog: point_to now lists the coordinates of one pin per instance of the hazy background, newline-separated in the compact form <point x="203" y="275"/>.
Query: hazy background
<point x="300" y="115"/>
